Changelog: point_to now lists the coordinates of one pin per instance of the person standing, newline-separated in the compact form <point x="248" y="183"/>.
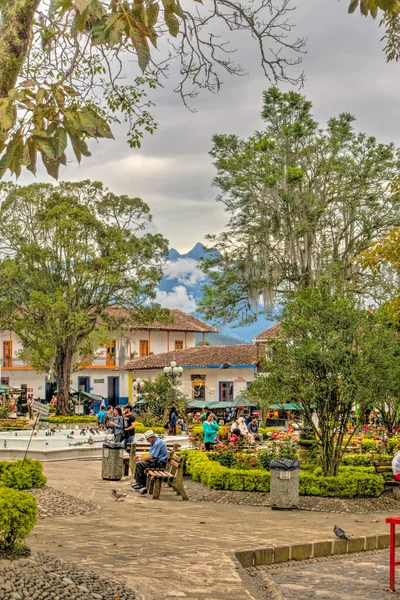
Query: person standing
<point x="210" y="429"/>
<point x="173" y="418"/>
<point x="100" y="415"/>
<point x="107" y="418"/>
<point x="157" y="459"/>
<point x="117" y="423"/>
<point x="129" y="425"/>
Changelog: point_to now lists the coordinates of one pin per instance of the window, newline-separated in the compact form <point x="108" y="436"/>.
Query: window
<point x="6" y="381"/>
<point x="110" y="354"/>
<point x="178" y="344"/>
<point x="7" y="353"/>
<point x="226" y="391"/>
<point x="198" y="387"/>
<point x="143" y="348"/>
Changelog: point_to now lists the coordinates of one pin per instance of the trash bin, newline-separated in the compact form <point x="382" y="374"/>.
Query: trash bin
<point x="284" y="493"/>
<point x="112" y="466"/>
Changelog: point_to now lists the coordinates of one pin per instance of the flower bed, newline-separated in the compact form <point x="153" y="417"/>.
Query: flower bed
<point x="350" y="483"/>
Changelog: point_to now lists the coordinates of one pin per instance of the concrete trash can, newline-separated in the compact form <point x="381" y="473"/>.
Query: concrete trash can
<point x="284" y="492"/>
<point x="112" y="465"/>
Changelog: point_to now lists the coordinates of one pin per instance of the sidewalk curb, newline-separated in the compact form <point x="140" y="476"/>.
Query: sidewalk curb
<point x="280" y="554"/>
<point x="248" y="581"/>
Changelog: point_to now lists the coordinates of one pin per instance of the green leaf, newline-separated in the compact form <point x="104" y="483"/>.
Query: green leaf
<point x="172" y="22"/>
<point x="52" y="166"/>
<point x="175" y="8"/>
<point x="32" y="155"/>
<point x="8" y="114"/>
<point x="104" y="130"/>
<point x="82" y="5"/>
<point x="353" y="5"/>
<point x="45" y="146"/>
<point x="88" y="122"/>
<point x="9" y="155"/>
<point x="152" y="12"/>
<point x="79" y="23"/>
<point x="364" y="7"/>
<point x="40" y="96"/>
<point x="60" y="141"/>
<point x="141" y="46"/>
<point x="27" y="83"/>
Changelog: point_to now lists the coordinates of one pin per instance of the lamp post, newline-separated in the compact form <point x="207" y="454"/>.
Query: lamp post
<point x="173" y="372"/>
<point x="138" y="385"/>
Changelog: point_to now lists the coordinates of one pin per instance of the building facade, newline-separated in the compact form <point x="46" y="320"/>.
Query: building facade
<point x="210" y="373"/>
<point x="104" y="374"/>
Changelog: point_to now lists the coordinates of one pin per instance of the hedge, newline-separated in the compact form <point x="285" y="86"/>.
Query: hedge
<point x="18" y="516"/>
<point x="364" y="460"/>
<point x="72" y="419"/>
<point x="140" y="428"/>
<point x="22" y="475"/>
<point x="348" y="484"/>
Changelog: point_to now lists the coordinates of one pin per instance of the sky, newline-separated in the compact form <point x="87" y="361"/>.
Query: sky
<point x="345" y="69"/>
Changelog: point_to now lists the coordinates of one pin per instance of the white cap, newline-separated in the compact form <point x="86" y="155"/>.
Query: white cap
<point x="149" y="434"/>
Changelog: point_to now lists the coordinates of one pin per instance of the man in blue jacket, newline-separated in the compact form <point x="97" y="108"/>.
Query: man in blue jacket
<point x="156" y="460"/>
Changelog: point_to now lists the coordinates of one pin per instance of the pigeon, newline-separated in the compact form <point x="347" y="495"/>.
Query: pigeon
<point x="92" y="431"/>
<point x="83" y="432"/>
<point x="72" y="432"/>
<point x="70" y="437"/>
<point x="5" y="443"/>
<point x="342" y="535"/>
<point x="91" y="441"/>
<point x="118" y="495"/>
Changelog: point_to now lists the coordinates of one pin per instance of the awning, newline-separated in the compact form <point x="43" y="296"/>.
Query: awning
<point x="197" y="404"/>
<point x="94" y="397"/>
<point x="141" y="402"/>
<point x="241" y="401"/>
<point x="219" y="404"/>
<point x="289" y="406"/>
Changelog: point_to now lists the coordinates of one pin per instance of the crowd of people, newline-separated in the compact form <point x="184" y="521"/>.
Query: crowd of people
<point x="119" y="421"/>
<point x="243" y="429"/>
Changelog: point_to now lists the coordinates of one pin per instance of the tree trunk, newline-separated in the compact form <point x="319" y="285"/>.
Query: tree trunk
<point x="15" y="34"/>
<point x="63" y="374"/>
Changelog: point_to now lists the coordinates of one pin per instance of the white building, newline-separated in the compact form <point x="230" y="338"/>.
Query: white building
<point x="210" y="373"/>
<point x="105" y="375"/>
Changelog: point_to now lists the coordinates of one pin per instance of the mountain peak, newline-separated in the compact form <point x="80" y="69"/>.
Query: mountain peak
<point x="197" y="251"/>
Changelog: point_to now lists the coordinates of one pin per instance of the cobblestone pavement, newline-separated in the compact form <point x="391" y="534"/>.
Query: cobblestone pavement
<point x="169" y="548"/>
<point x="353" y="577"/>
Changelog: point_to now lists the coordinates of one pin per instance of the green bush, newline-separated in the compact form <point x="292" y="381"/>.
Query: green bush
<point x="140" y="428"/>
<point x="364" y="460"/>
<point x="368" y="445"/>
<point x="18" y="515"/>
<point x="5" y="411"/>
<point x="22" y="475"/>
<point x="72" y="419"/>
<point x="16" y="425"/>
<point x="350" y="482"/>
<point x="268" y="431"/>
<point x="393" y="445"/>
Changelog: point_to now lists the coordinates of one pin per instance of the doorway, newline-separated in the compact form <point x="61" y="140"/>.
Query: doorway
<point x="226" y="391"/>
<point x="113" y="391"/>
<point x="51" y="389"/>
<point x="84" y="384"/>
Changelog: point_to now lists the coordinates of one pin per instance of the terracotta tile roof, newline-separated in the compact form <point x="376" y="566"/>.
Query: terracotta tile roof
<point x="201" y="356"/>
<point x="271" y="332"/>
<point x="181" y="322"/>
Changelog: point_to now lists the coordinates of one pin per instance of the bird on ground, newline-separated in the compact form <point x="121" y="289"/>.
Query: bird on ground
<point x="342" y="535"/>
<point x="83" y="431"/>
<point x="118" y="495"/>
<point x="92" y="431"/>
<point x="5" y="443"/>
<point x="71" y="432"/>
<point x="90" y="441"/>
<point x="70" y="437"/>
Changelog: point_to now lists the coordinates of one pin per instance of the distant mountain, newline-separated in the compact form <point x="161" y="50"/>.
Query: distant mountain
<point x="181" y="287"/>
<point x="219" y="339"/>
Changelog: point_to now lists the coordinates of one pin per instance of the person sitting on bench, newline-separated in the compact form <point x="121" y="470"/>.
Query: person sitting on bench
<point x="157" y="460"/>
<point x="396" y="466"/>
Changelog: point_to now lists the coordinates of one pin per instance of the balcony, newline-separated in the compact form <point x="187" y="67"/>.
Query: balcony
<point x="9" y="362"/>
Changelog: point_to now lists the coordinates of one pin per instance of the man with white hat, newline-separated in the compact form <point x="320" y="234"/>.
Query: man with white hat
<point x="157" y="460"/>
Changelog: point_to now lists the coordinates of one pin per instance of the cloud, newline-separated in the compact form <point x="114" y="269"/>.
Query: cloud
<point x="178" y="298"/>
<point x="186" y="271"/>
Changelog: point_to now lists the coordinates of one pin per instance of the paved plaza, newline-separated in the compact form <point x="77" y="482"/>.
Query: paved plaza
<point x="363" y="576"/>
<point x="169" y="548"/>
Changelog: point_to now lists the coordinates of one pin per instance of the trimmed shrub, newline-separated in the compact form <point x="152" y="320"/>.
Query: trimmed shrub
<point x="364" y="460"/>
<point x="393" y="445"/>
<point x="72" y="419"/>
<point x="22" y="475"/>
<point x="18" y="516"/>
<point x="368" y="445"/>
<point x="350" y="482"/>
<point x="140" y="428"/>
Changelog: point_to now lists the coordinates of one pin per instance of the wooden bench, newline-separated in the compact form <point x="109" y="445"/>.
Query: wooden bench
<point x="172" y="475"/>
<point x="142" y="448"/>
<point x="386" y="467"/>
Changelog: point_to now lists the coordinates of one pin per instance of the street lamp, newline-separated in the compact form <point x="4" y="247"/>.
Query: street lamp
<point x="138" y="385"/>
<point x="173" y="372"/>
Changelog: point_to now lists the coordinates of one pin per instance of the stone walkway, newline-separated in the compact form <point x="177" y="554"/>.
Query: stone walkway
<point x="362" y="576"/>
<point x="170" y="548"/>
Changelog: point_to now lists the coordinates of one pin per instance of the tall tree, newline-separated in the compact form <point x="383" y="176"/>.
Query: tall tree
<point x="302" y="201"/>
<point x="69" y="253"/>
<point x="66" y="66"/>
<point x="331" y="355"/>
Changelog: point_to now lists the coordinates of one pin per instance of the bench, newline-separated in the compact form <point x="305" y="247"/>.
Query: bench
<point x="172" y="475"/>
<point x="142" y="448"/>
<point x="386" y="467"/>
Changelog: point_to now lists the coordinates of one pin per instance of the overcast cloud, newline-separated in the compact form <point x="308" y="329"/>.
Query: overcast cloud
<point x="346" y="72"/>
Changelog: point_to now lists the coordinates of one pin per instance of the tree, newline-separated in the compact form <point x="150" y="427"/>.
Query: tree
<point x="389" y="11"/>
<point x="302" y="201"/>
<point x="64" y="66"/>
<point x="331" y="355"/>
<point x="160" y="395"/>
<point x="69" y="253"/>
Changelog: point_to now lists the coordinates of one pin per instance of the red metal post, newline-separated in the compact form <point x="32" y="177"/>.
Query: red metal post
<point x="392" y="567"/>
